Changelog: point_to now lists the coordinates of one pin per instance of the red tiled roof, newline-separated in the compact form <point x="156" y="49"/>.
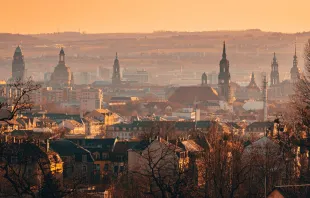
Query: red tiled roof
<point x="188" y="95"/>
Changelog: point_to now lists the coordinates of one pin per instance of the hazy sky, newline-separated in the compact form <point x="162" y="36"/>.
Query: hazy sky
<point x="36" y="16"/>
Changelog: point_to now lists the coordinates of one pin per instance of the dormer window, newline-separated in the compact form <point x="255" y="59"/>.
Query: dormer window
<point x="14" y="159"/>
<point x="84" y="158"/>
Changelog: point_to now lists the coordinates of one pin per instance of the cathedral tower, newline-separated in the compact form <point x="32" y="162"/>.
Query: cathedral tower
<point x="224" y="77"/>
<point x="116" y="78"/>
<point x="18" y="64"/>
<point x="295" y="72"/>
<point x="274" y="75"/>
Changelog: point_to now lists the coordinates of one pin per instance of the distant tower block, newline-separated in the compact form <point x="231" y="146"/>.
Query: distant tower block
<point x="274" y="75"/>
<point x="265" y="83"/>
<point x="116" y="78"/>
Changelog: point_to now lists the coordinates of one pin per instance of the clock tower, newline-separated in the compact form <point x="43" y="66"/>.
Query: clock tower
<point x="224" y="77"/>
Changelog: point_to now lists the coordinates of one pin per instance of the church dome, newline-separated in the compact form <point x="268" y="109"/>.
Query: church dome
<point x="295" y="70"/>
<point x="62" y="75"/>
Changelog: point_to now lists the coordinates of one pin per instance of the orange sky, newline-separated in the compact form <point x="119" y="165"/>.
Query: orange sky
<point x="36" y="16"/>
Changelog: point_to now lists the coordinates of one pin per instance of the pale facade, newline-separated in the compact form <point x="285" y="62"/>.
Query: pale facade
<point x="91" y="99"/>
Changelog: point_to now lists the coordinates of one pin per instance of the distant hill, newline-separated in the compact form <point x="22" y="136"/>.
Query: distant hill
<point x="7" y="37"/>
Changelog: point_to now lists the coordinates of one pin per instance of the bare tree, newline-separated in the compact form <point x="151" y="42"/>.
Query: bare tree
<point x="18" y="98"/>
<point x="301" y="98"/>
<point x="162" y="170"/>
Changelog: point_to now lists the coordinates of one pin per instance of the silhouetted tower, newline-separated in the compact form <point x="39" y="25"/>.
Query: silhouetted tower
<point x="274" y="75"/>
<point x="224" y="77"/>
<point x="116" y="78"/>
<point x="204" y="79"/>
<point x="18" y="64"/>
<point x="295" y="72"/>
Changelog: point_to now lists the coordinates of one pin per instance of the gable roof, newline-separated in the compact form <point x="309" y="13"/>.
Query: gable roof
<point x="188" y="95"/>
<point x="192" y="146"/>
<point x="267" y="125"/>
<point x="293" y="190"/>
<point x="102" y="145"/>
<point x="67" y="148"/>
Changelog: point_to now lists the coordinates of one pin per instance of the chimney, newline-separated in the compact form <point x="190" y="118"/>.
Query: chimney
<point x="47" y="145"/>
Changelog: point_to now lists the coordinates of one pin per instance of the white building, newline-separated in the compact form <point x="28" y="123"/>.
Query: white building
<point x="188" y="114"/>
<point x="75" y="127"/>
<point x="91" y="99"/>
<point x="140" y="76"/>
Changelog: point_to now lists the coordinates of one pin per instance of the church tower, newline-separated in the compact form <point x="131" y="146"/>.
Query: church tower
<point x="295" y="72"/>
<point x="224" y="77"/>
<point x="116" y="78"/>
<point x="18" y="65"/>
<point x="274" y="75"/>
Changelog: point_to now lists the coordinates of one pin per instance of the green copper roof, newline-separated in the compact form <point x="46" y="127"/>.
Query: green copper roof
<point x="18" y="50"/>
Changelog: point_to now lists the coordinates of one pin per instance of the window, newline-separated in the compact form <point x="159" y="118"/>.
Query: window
<point x="96" y="156"/>
<point x="97" y="167"/>
<point x="119" y="158"/>
<point x="84" y="158"/>
<point x="115" y="169"/>
<point x="84" y="169"/>
<point x="13" y="159"/>
<point x="105" y="155"/>
<point x="121" y="168"/>
<point x="106" y="167"/>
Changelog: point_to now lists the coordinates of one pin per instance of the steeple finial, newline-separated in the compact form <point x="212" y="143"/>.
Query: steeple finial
<point x="295" y="50"/>
<point x="224" y="50"/>
<point x="274" y="57"/>
<point x="116" y="57"/>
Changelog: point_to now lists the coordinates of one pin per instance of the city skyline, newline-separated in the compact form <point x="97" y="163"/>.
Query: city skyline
<point x="143" y="16"/>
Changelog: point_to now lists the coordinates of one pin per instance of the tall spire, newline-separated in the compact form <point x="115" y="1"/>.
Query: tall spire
<point x="252" y="77"/>
<point x="224" y="50"/>
<point x="116" y="57"/>
<point x="295" y="55"/>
